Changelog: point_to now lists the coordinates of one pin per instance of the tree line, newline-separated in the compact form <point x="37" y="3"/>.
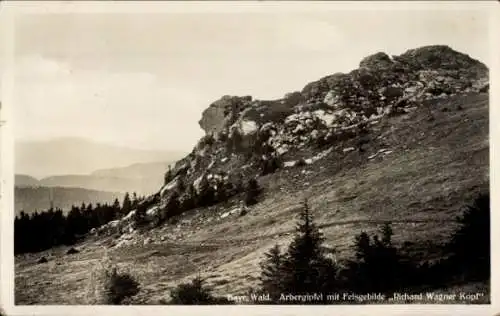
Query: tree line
<point x="46" y="229"/>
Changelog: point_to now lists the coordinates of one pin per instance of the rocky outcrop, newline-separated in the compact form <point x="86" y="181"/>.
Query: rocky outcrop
<point x="245" y="136"/>
<point x="376" y="61"/>
<point x="380" y="81"/>
<point x="222" y="113"/>
<point x="331" y="109"/>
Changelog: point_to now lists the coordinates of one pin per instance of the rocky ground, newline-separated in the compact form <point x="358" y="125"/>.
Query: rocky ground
<point x="417" y="170"/>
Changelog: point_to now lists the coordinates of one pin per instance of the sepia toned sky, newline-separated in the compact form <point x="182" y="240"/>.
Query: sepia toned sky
<point x="142" y="80"/>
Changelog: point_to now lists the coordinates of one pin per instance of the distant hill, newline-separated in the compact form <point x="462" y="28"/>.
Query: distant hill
<point x="141" y="186"/>
<point x="30" y="199"/>
<point x="23" y="180"/>
<point x="135" y="171"/>
<point x="77" y="156"/>
<point x="142" y="178"/>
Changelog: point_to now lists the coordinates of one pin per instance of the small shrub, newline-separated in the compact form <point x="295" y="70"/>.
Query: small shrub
<point x="207" y="140"/>
<point x="268" y="166"/>
<point x="300" y="163"/>
<point x="195" y="293"/>
<point x="168" y="176"/>
<point x="139" y="217"/>
<point x="121" y="287"/>
<point x="72" y="251"/>
<point x="485" y="89"/>
<point x="253" y="190"/>
<point x="108" y="287"/>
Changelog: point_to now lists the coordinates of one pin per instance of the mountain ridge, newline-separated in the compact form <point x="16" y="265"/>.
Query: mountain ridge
<point x="70" y="155"/>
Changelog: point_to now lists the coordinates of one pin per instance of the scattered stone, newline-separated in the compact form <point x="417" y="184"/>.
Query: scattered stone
<point x="42" y="260"/>
<point x="72" y="251"/>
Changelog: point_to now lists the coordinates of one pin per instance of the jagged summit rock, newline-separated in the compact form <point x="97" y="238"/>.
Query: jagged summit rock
<point x="440" y="57"/>
<point x="221" y="113"/>
<point x="376" y="61"/>
<point x="380" y="81"/>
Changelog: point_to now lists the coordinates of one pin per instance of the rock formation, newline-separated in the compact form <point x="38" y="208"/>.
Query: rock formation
<point x="245" y="136"/>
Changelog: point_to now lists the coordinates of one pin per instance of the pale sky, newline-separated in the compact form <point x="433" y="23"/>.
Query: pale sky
<point x="142" y="80"/>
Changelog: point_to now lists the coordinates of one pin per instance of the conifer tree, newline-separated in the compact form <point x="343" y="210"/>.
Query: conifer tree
<point x="236" y="140"/>
<point x="168" y="175"/>
<point x="126" y="205"/>
<point x="140" y="216"/>
<point x="206" y="195"/>
<point x="378" y="265"/>
<point x="306" y="267"/>
<point x="470" y="244"/>
<point x="173" y="205"/>
<point x="116" y="208"/>
<point x="135" y="201"/>
<point x="190" y="198"/>
<point x="387" y="234"/>
<point x="252" y="192"/>
<point x="272" y="272"/>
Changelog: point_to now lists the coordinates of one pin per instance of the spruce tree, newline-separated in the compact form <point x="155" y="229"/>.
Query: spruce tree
<point x="206" y="195"/>
<point x="135" y="201"/>
<point x="173" y="205"/>
<point x="272" y="272"/>
<point x="378" y="266"/>
<point x="168" y="175"/>
<point x="362" y="246"/>
<point x="387" y="234"/>
<point x="190" y="198"/>
<point x="126" y="205"/>
<point x="236" y="140"/>
<point x="470" y="244"/>
<point x="306" y="268"/>
<point x="139" y="217"/>
<point x="116" y="208"/>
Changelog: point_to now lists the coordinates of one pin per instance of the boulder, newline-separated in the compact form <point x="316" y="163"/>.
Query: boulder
<point x="223" y="113"/>
<point x="332" y="99"/>
<point x="72" y="251"/>
<point x="294" y="98"/>
<point x="376" y="61"/>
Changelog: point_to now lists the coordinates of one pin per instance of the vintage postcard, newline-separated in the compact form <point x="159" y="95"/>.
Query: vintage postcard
<point x="247" y="157"/>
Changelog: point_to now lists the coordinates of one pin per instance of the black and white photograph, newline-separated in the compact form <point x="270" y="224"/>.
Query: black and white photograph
<point x="249" y="154"/>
